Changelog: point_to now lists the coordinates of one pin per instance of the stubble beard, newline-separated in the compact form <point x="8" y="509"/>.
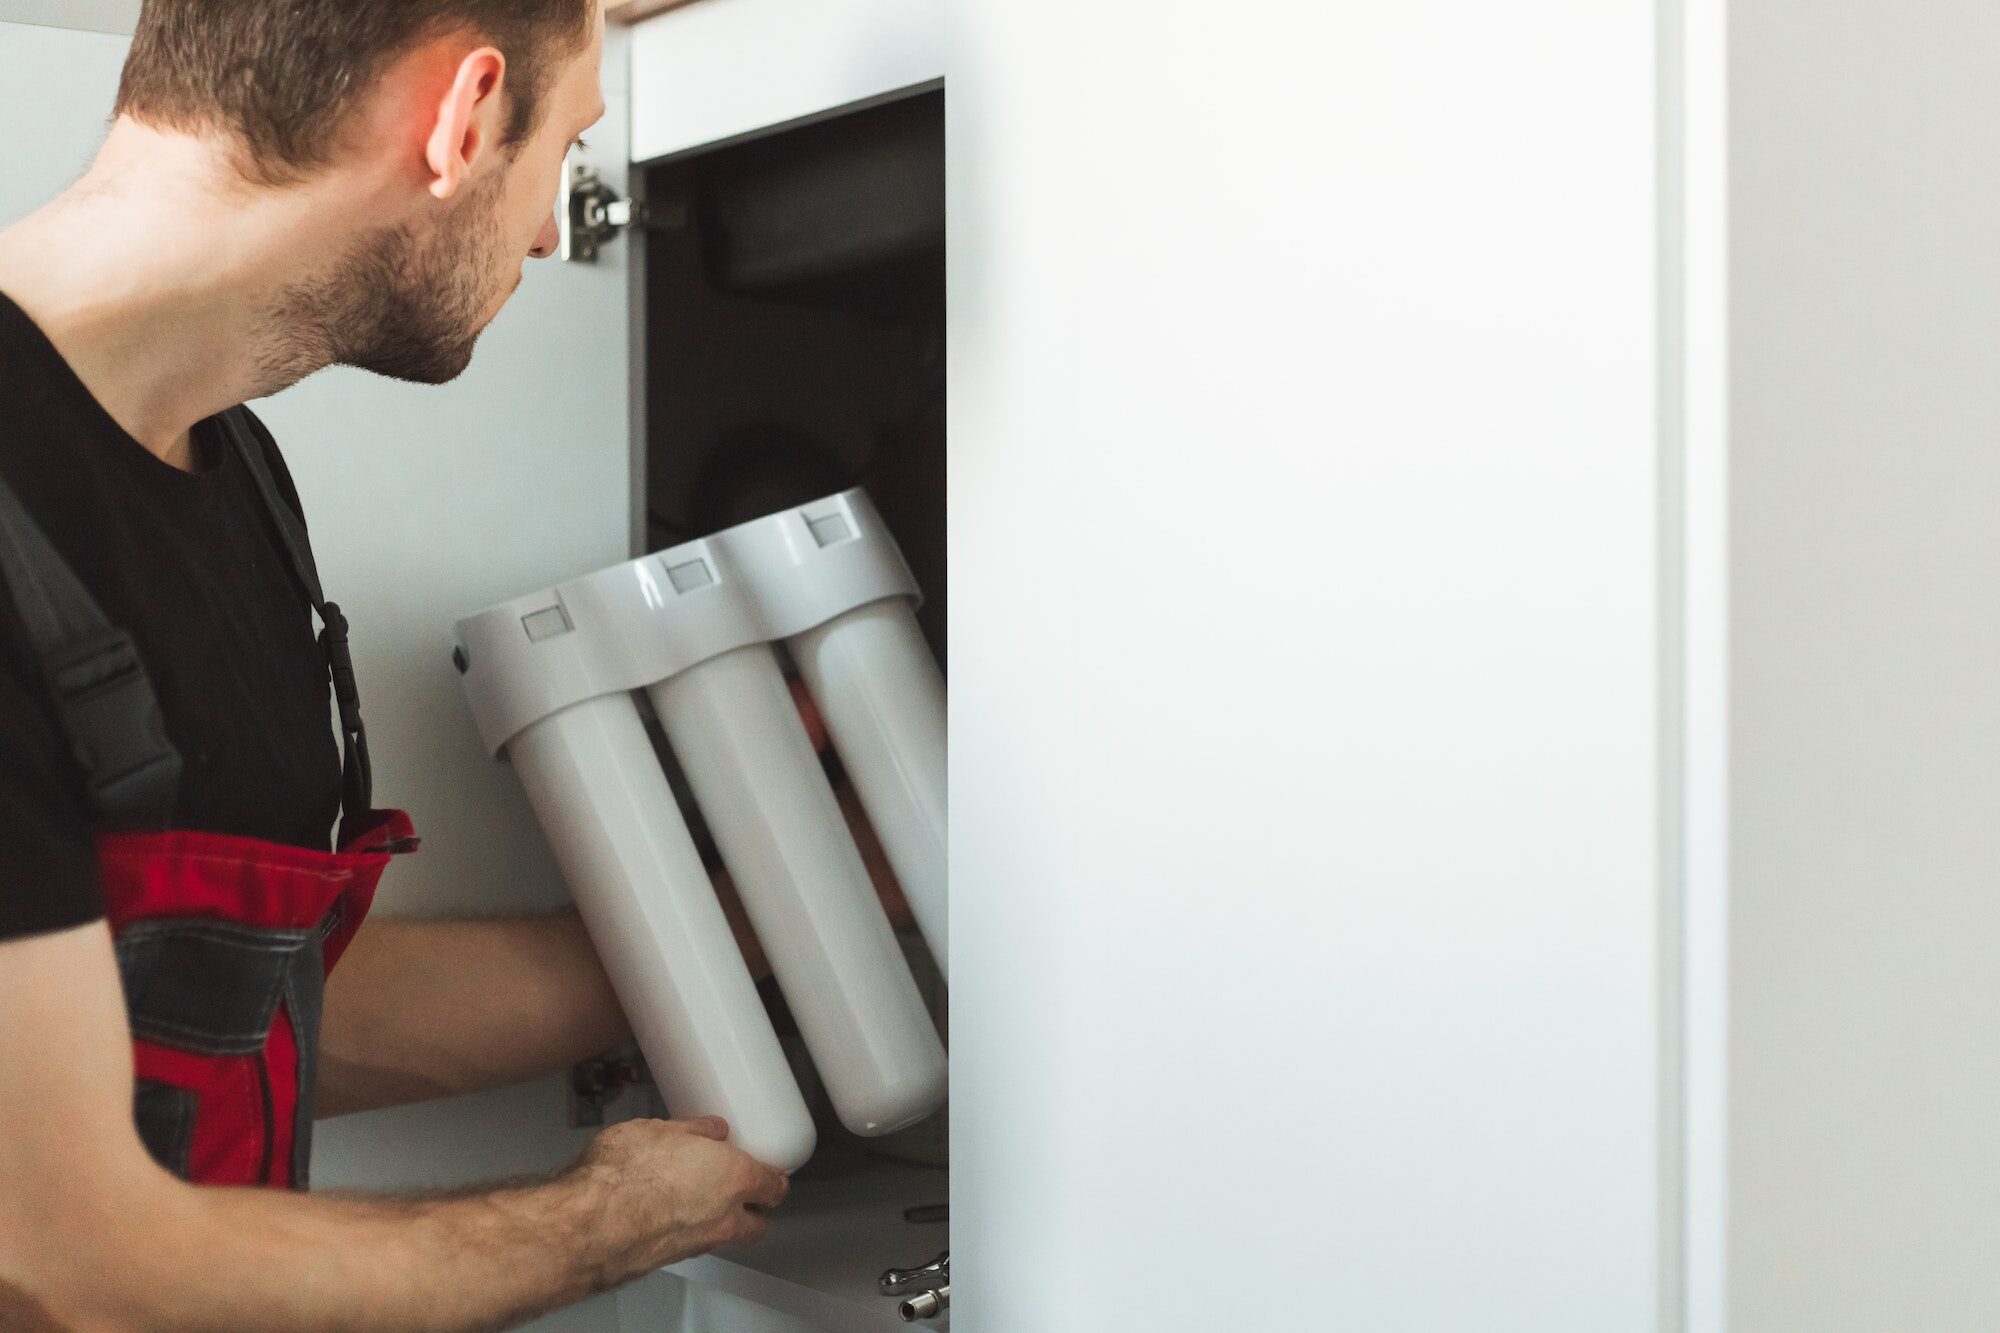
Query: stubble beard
<point x="407" y="307"/>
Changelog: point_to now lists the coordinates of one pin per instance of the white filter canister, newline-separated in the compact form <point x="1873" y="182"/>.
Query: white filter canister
<point x="883" y="697"/>
<point x="738" y="736"/>
<point x="597" y="787"/>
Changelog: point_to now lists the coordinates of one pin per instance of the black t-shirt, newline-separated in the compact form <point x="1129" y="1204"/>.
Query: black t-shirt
<point x="189" y="565"/>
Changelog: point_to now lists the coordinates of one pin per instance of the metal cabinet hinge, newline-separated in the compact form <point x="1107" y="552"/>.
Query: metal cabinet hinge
<point x="589" y="213"/>
<point x="595" y="1084"/>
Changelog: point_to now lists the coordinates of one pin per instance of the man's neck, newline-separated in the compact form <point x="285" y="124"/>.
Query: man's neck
<point x="155" y="277"/>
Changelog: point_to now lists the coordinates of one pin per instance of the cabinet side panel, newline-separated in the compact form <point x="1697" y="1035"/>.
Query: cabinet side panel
<point x="1865" y="1161"/>
<point x="1305" y="750"/>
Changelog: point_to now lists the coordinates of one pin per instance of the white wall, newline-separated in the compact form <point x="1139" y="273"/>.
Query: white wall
<point x="1306" y="702"/>
<point x="114" y="16"/>
<point x="425" y="504"/>
<point x="1866" y="1112"/>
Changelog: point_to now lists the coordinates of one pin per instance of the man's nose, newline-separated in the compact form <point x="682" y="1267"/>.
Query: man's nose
<point x="547" y="239"/>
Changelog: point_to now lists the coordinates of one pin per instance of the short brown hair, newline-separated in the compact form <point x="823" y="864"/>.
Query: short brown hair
<point x="282" y="75"/>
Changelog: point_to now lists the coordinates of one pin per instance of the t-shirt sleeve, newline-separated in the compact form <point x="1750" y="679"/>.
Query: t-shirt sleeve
<point x="48" y="845"/>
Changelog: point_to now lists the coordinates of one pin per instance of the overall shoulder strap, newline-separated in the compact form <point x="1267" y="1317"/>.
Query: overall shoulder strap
<point x="357" y="778"/>
<point x="103" y="697"/>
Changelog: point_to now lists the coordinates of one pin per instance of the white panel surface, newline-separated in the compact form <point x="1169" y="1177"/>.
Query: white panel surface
<point x="1865" y="1116"/>
<point x="665" y="1303"/>
<point x="1306" y="641"/>
<point x="425" y="504"/>
<point x="720" y="68"/>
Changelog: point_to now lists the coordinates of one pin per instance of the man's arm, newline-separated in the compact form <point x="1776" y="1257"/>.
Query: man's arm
<point x="94" y="1235"/>
<point x="421" y="1009"/>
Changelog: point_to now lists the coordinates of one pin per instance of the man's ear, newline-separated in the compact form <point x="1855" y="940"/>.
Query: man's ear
<point x="468" y="120"/>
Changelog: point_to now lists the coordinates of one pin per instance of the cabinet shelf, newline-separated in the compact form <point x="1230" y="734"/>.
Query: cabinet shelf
<point x="829" y="1244"/>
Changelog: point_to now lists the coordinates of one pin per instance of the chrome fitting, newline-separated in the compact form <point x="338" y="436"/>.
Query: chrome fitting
<point x="903" y="1281"/>
<point x="925" y="1305"/>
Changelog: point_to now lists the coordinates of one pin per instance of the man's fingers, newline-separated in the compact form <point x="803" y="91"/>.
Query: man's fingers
<point x="770" y="1189"/>
<point x="750" y="1228"/>
<point x="709" y="1127"/>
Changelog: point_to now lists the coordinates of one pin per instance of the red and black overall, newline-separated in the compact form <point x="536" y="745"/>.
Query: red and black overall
<point x="223" y="943"/>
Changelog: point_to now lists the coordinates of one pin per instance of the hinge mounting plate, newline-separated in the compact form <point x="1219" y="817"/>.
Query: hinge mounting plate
<point x="589" y="213"/>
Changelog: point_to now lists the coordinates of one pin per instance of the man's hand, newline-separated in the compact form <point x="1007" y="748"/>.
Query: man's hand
<point x="677" y="1188"/>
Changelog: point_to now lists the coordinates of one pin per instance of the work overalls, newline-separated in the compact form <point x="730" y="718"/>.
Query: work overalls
<point x="223" y="943"/>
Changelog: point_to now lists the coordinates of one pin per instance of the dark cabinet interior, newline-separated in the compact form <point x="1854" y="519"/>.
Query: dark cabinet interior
<point x="795" y="329"/>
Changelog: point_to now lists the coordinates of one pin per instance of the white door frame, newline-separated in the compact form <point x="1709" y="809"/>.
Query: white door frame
<point x="1694" y="431"/>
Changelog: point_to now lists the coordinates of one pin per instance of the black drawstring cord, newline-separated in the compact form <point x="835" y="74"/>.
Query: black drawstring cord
<point x="357" y="775"/>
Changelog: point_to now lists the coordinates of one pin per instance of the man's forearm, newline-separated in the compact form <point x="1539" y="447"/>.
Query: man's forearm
<point x="307" y="1262"/>
<point x="422" y="1009"/>
<point x="170" y="1255"/>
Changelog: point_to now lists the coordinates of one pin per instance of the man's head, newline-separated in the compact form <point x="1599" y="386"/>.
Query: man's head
<point x="437" y="127"/>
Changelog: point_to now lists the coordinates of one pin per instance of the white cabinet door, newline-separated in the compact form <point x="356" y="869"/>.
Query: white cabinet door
<point x="1309" y="664"/>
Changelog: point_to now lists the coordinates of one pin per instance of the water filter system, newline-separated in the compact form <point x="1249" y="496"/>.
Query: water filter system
<point x="553" y="679"/>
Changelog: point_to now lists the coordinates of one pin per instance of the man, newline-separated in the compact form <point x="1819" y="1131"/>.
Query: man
<point x="285" y="187"/>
